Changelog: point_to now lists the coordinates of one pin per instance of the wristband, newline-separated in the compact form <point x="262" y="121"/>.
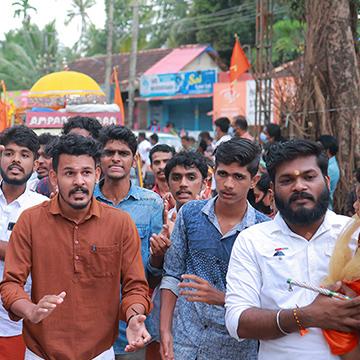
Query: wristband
<point x="278" y="323"/>
<point x="302" y="330"/>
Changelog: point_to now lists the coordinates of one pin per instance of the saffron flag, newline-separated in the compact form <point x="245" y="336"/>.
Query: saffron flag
<point x="3" y="108"/>
<point x="239" y="62"/>
<point x="117" y="96"/>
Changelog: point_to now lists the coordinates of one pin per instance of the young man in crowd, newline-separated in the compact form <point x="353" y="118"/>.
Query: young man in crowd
<point x="221" y="135"/>
<point x="20" y="147"/>
<point x="144" y="147"/>
<point x="44" y="164"/>
<point x="297" y="244"/>
<point x="82" y="125"/>
<point x="185" y="173"/>
<point x="331" y="147"/>
<point x="90" y="253"/>
<point x="196" y="263"/>
<point x="159" y="156"/>
<point x="240" y="127"/>
<point x="144" y="206"/>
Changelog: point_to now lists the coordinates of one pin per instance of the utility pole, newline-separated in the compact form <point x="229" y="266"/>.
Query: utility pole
<point x="108" y="65"/>
<point x="133" y="58"/>
<point x="264" y="22"/>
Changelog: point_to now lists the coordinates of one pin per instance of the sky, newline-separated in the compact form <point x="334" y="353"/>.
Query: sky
<point x="48" y="10"/>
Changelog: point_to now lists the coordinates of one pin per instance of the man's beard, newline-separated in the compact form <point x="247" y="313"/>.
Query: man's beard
<point x="303" y="215"/>
<point x="16" y="182"/>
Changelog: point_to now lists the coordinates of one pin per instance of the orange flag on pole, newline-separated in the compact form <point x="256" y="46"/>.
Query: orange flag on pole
<point x="239" y="62"/>
<point x="117" y="96"/>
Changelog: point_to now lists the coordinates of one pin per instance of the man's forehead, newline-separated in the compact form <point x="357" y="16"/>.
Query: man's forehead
<point x="298" y="166"/>
<point x="182" y="169"/>
<point x="116" y="145"/>
<point x="159" y="155"/>
<point x="14" y="146"/>
<point x="232" y="168"/>
<point x="76" y="161"/>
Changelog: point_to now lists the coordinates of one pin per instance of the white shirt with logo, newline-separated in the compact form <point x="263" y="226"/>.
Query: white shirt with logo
<point x="264" y="256"/>
<point x="9" y="214"/>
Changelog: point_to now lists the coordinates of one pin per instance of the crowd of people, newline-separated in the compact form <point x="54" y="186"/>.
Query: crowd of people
<point x="95" y="266"/>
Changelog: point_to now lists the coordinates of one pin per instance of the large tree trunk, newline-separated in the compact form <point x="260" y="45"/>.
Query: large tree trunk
<point x="329" y="95"/>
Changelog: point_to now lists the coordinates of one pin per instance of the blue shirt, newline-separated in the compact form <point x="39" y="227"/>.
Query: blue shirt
<point x="146" y="210"/>
<point x="198" y="247"/>
<point x="334" y="175"/>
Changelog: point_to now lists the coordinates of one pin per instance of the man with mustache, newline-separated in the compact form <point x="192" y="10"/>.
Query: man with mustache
<point x="19" y="149"/>
<point x="80" y="253"/>
<point x="297" y="244"/>
<point x="196" y="263"/>
<point x="159" y="156"/>
<point x="119" y="147"/>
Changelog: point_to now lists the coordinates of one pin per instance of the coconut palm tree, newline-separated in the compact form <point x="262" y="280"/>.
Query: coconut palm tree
<point x="79" y="9"/>
<point x="24" y="7"/>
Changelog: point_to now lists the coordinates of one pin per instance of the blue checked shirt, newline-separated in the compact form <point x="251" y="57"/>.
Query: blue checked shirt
<point x="146" y="210"/>
<point x="198" y="247"/>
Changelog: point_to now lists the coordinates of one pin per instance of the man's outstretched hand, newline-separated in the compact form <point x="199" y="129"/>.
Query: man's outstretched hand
<point x="45" y="307"/>
<point x="136" y="333"/>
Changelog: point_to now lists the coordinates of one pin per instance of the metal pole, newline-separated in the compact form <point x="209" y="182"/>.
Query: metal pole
<point x="133" y="58"/>
<point x="108" y="65"/>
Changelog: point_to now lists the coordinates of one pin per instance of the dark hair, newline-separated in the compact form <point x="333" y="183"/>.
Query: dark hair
<point x="45" y="138"/>
<point x="83" y="122"/>
<point x="205" y="135"/>
<point x="49" y="147"/>
<point x="154" y="137"/>
<point x="239" y="150"/>
<point x="76" y="145"/>
<point x="279" y="153"/>
<point x="357" y="175"/>
<point x="223" y="123"/>
<point x="142" y="134"/>
<point x="21" y="136"/>
<point x="185" y="137"/>
<point x="121" y="133"/>
<point x="240" y="121"/>
<point x="187" y="159"/>
<point x="161" y="148"/>
<point x="274" y="131"/>
<point x="264" y="183"/>
<point x="329" y="143"/>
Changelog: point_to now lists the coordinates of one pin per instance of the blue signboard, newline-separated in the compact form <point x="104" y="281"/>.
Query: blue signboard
<point x="183" y="83"/>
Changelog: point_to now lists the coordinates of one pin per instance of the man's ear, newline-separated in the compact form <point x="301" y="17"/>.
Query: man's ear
<point x="254" y="181"/>
<point x="327" y="181"/>
<point x="53" y="178"/>
<point x="97" y="173"/>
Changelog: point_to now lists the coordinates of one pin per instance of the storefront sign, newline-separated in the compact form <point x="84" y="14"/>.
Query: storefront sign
<point x="182" y="83"/>
<point x="53" y="120"/>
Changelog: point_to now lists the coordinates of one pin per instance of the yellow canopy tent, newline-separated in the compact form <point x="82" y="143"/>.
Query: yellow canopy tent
<point x="65" y="83"/>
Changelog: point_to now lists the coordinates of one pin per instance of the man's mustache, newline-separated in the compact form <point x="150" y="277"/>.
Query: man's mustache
<point x="301" y="195"/>
<point x="15" y="166"/>
<point x="80" y="188"/>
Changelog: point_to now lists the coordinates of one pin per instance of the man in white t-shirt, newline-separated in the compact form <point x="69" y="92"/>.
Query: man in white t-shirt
<point x="19" y="149"/>
<point x="297" y="244"/>
<point x="144" y="147"/>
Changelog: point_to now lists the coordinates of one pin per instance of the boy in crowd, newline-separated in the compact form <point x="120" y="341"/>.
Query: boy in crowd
<point x="159" y="156"/>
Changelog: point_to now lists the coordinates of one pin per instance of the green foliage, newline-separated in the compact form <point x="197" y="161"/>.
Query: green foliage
<point x="288" y="40"/>
<point x="29" y="53"/>
<point x="23" y="10"/>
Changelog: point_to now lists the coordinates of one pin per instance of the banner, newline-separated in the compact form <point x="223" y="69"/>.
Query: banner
<point x="55" y="120"/>
<point x="182" y="83"/>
